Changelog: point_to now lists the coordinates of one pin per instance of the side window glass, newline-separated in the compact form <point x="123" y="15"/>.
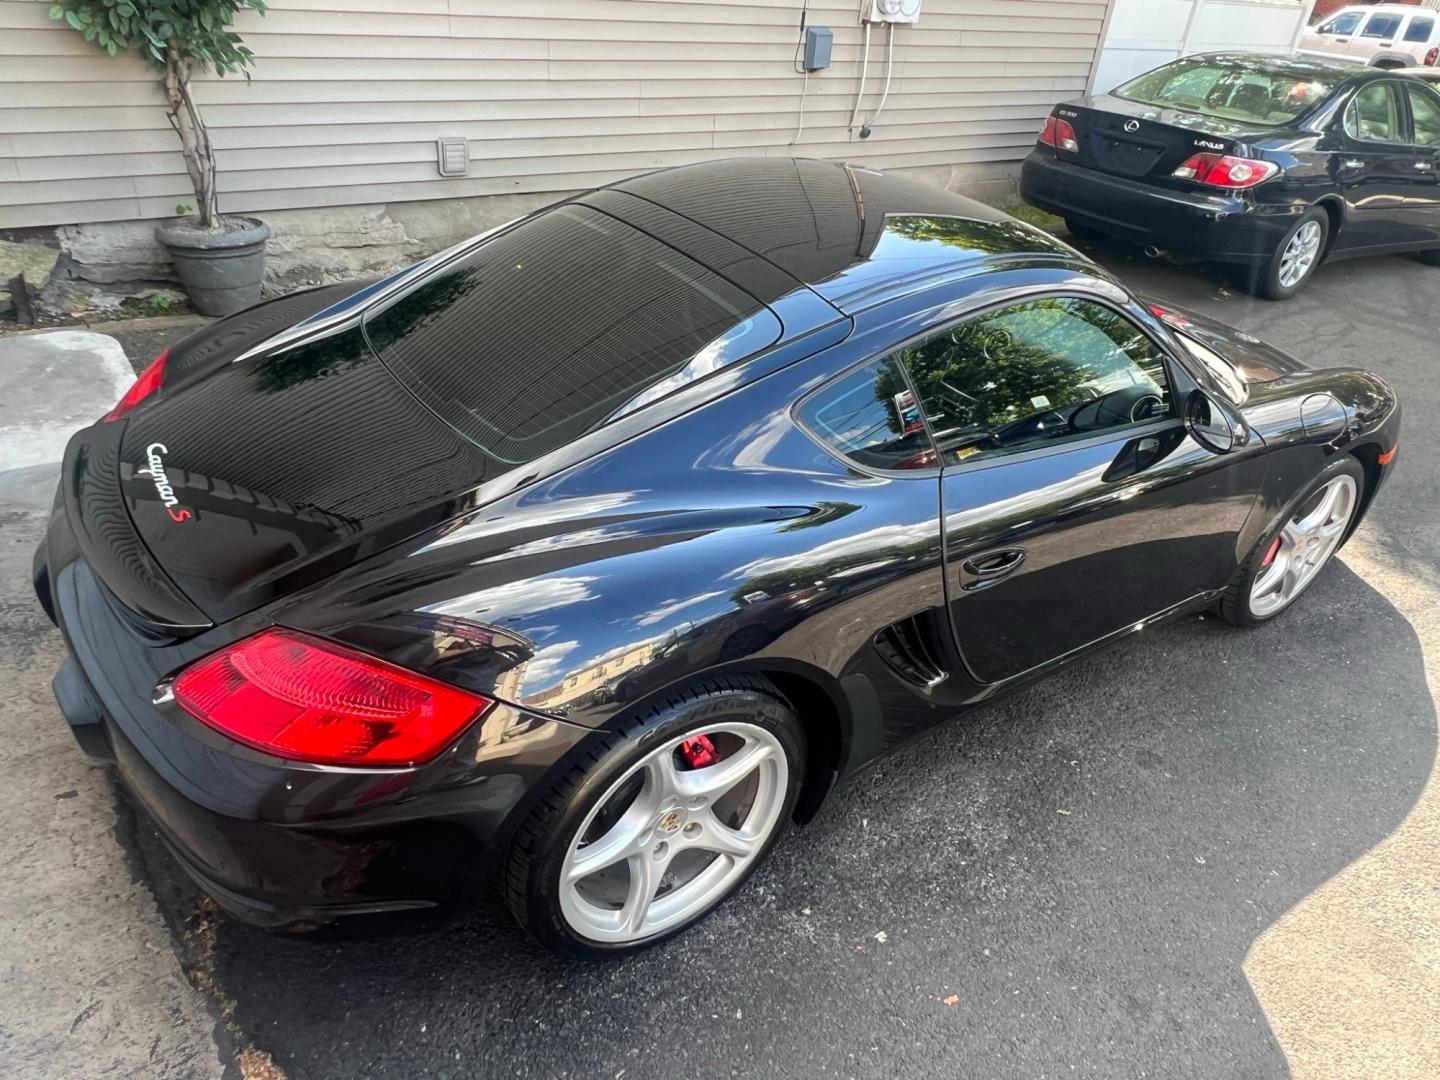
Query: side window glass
<point x="871" y="417"/>
<point x="1425" y="112"/>
<point x="1343" y="24"/>
<point x="1035" y="374"/>
<point x="1374" y="115"/>
<point x="1419" y="29"/>
<point x="1381" y="26"/>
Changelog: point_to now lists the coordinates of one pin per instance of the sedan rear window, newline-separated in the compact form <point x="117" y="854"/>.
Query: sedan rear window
<point x="560" y="324"/>
<point x="1232" y="89"/>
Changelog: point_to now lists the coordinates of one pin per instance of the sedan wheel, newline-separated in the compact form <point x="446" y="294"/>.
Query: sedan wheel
<point x="674" y="814"/>
<point x="1296" y="257"/>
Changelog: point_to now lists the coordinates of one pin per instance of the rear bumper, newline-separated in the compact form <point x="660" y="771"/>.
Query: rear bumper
<point x="1225" y="228"/>
<point x="275" y="842"/>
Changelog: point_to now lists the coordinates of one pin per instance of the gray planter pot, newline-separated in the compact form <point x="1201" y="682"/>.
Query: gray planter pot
<point x="221" y="270"/>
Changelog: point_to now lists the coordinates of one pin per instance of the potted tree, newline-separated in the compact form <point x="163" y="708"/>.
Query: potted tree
<point x="220" y="260"/>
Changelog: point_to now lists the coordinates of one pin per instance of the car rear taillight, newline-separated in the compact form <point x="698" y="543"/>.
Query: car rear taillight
<point x="1224" y="171"/>
<point x="1170" y="318"/>
<point x="148" y="382"/>
<point x="1432" y="56"/>
<point x="299" y="697"/>
<point x="1059" y="133"/>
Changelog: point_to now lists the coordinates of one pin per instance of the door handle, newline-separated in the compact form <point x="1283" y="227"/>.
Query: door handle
<point x="1424" y="166"/>
<point x="978" y="571"/>
<point x="1352" y="163"/>
<point x="1343" y="40"/>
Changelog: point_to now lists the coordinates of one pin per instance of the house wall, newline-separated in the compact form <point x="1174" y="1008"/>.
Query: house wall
<point x="332" y="140"/>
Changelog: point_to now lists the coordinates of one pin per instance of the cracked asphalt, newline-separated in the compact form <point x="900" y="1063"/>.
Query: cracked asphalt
<point x="1209" y="852"/>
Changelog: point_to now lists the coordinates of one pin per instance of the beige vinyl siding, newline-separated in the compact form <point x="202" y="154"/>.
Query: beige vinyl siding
<point x="348" y="97"/>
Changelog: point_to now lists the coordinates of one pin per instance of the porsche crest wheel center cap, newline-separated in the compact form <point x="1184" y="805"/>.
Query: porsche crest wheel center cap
<point x="669" y="822"/>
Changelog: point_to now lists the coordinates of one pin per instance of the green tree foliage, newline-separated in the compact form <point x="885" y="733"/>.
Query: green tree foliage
<point x="175" y="37"/>
<point x="198" y="29"/>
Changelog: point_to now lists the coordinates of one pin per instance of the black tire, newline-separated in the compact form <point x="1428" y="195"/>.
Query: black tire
<point x="532" y="872"/>
<point x="1265" y="281"/>
<point x="1234" y="604"/>
<point x="1431" y="257"/>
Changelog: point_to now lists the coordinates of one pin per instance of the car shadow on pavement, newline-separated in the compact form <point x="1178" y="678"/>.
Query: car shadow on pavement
<point x="1065" y="882"/>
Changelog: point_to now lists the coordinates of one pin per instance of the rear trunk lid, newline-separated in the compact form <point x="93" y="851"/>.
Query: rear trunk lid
<point x="1140" y="141"/>
<point x="269" y="473"/>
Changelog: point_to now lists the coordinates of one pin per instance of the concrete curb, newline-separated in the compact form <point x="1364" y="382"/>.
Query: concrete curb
<point x="113" y="326"/>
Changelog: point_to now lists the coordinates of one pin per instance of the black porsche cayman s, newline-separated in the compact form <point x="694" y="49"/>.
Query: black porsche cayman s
<point x="589" y="553"/>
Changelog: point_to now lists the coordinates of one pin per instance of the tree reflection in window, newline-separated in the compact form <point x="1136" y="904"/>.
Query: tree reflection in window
<point x="1029" y="375"/>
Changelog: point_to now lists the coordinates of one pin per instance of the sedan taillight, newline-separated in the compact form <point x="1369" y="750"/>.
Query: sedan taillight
<point x="1059" y="133"/>
<point x="303" y="698"/>
<point x="1225" y="171"/>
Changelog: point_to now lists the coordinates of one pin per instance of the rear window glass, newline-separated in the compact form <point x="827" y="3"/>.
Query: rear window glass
<point x="551" y="329"/>
<point x="1381" y="26"/>
<point x="1230" y="90"/>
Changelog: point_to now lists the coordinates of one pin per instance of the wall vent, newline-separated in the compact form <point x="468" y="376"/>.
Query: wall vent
<point x="452" y="156"/>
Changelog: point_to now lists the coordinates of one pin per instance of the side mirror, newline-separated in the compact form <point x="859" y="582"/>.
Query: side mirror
<point x="1209" y="424"/>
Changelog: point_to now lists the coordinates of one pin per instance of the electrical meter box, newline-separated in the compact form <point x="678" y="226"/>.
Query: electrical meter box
<point x="891" y="11"/>
<point x="818" y="40"/>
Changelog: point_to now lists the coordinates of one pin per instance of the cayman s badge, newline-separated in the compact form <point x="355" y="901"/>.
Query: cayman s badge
<point x="1132" y="125"/>
<point x="155" y="469"/>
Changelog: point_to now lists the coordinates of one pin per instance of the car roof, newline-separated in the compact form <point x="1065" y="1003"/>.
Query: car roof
<point x="849" y="233"/>
<point x="1388" y="9"/>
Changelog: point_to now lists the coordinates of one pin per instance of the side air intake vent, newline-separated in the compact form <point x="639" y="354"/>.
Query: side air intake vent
<point x="908" y="646"/>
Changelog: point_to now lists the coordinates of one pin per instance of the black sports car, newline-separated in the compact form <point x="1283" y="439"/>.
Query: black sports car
<point x="595" y="549"/>
<point x="1271" y="162"/>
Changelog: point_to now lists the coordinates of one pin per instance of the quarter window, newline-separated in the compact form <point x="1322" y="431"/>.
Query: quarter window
<point x="1343" y="24"/>
<point x="1419" y="29"/>
<point x="1033" y="375"/>
<point x="1425" y="112"/>
<point x="871" y="416"/>
<point x="1381" y="26"/>
<point x="1374" y="114"/>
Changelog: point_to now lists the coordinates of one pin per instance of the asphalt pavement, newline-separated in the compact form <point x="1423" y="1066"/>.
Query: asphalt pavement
<point x="1207" y="853"/>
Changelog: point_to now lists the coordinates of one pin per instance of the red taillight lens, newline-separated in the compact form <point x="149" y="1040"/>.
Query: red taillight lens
<point x="299" y="697"/>
<point x="1170" y="318"/>
<point x="148" y="382"/>
<point x="1059" y="133"/>
<point x="1432" y="56"/>
<point x="1224" y="171"/>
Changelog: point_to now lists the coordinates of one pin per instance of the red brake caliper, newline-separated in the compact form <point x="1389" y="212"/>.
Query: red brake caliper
<point x="1270" y="555"/>
<point x="699" y="752"/>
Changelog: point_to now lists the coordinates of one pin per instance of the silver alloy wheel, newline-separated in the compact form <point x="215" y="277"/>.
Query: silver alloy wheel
<point x="1307" y="541"/>
<point x="680" y="842"/>
<point x="1300" y="254"/>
